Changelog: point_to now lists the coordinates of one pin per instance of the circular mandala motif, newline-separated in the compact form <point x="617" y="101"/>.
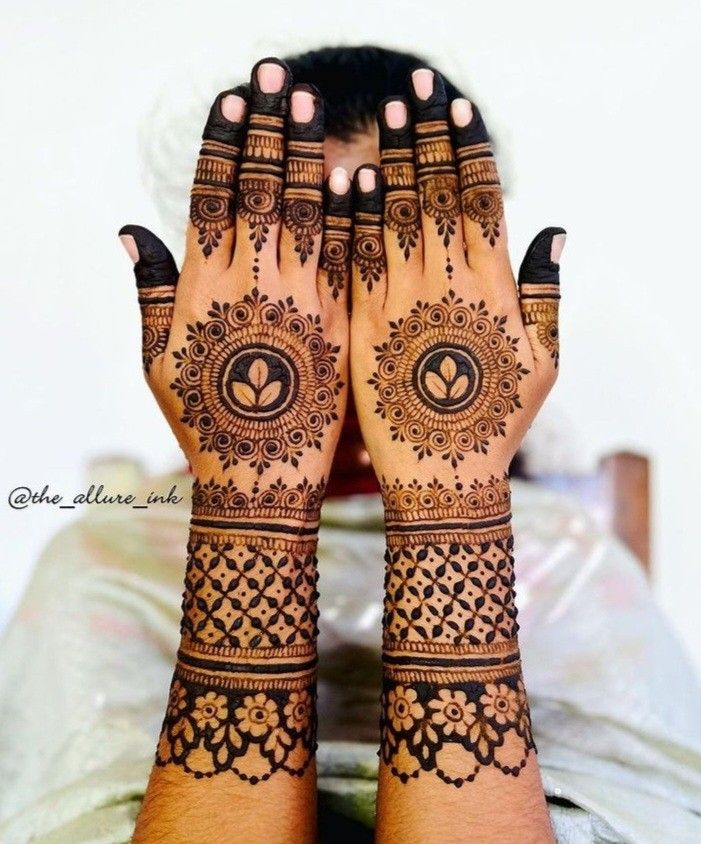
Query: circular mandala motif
<point x="258" y="381"/>
<point x="447" y="378"/>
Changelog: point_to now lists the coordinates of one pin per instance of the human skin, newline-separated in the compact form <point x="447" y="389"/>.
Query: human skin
<point x="218" y="770"/>
<point x="450" y="362"/>
<point x="246" y="352"/>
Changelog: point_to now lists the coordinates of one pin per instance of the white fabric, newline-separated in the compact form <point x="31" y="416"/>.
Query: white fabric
<point x="85" y="667"/>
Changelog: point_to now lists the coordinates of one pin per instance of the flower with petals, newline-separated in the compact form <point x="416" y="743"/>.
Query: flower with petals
<point x="210" y="710"/>
<point x="403" y="709"/>
<point x="500" y="703"/>
<point x="257" y="715"/>
<point x="452" y="711"/>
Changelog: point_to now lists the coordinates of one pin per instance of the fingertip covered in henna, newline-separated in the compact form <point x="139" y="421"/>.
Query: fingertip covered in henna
<point x="270" y="83"/>
<point x="394" y="124"/>
<point x="154" y="264"/>
<point x="427" y="94"/>
<point x="227" y="116"/>
<point x="541" y="261"/>
<point x="367" y="186"/>
<point x="306" y="120"/>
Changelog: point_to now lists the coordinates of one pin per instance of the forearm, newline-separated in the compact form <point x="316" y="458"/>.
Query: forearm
<point x="457" y="757"/>
<point x="239" y="732"/>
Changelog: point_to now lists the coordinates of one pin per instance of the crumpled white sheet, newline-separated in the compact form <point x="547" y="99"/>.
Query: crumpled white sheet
<point x="86" y="662"/>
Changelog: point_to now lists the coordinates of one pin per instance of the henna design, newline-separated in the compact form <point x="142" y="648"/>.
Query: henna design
<point x="453" y="700"/>
<point x="480" y="190"/>
<point x="250" y="591"/>
<point x="335" y="256"/>
<point x="368" y="241"/>
<point x="212" y="192"/>
<point x="543" y="313"/>
<point x="402" y="213"/>
<point x="369" y="249"/>
<point x="243" y="694"/>
<point x="302" y="203"/>
<point x="335" y="252"/>
<point x="299" y="502"/>
<point x="156" y="305"/>
<point x="258" y="381"/>
<point x="539" y="288"/>
<point x="259" y="199"/>
<point x="156" y="278"/>
<point x="447" y="378"/>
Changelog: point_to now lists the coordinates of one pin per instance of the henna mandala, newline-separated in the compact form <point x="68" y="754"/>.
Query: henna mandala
<point x="258" y="381"/>
<point x="453" y="700"/>
<point x="369" y="248"/>
<point x="447" y="378"/>
<point x="212" y="193"/>
<point x="481" y="192"/>
<point x="260" y="203"/>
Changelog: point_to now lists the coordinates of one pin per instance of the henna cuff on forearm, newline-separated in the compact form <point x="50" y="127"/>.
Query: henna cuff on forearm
<point x="453" y="700"/>
<point x="243" y="693"/>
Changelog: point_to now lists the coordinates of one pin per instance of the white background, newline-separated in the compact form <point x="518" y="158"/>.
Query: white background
<point x="594" y="105"/>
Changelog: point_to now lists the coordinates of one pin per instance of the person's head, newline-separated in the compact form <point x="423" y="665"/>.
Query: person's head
<point x="353" y="81"/>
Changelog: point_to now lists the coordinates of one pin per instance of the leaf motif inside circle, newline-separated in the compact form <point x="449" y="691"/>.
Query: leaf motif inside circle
<point x="269" y="393"/>
<point x="258" y="373"/>
<point x="436" y="385"/>
<point x="459" y="387"/>
<point x="448" y="369"/>
<point x="244" y="393"/>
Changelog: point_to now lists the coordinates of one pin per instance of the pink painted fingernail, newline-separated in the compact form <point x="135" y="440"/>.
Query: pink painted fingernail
<point x="556" y="247"/>
<point x="395" y="114"/>
<point x="339" y="181"/>
<point x="129" y="245"/>
<point x="422" y="80"/>
<point x="302" y="106"/>
<point x="271" y="78"/>
<point x="461" y="112"/>
<point x="367" y="180"/>
<point x="233" y="108"/>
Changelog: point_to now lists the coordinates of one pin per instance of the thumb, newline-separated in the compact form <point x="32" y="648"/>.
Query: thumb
<point x="539" y="291"/>
<point x="156" y="277"/>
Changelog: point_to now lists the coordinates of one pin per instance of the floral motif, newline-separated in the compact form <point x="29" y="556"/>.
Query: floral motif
<point x="211" y="731"/>
<point x="452" y="712"/>
<point x="500" y="703"/>
<point x="475" y="718"/>
<point x="176" y="699"/>
<point x="297" y="709"/>
<point x="210" y="710"/>
<point x="402" y="709"/>
<point x="258" y="715"/>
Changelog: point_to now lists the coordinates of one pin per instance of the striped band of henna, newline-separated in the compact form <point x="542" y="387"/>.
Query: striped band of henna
<point x="243" y="695"/>
<point x="303" y="206"/>
<point x="437" y="180"/>
<point x="539" y="306"/>
<point x="211" y="199"/>
<point x="453" y="699"/>
<point x="259" y="199"/>
<point x="156" y="304"/>
<point x="480" y="190"/>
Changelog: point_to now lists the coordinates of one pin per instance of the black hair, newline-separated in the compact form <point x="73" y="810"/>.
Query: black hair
<point x="354" y="80"/>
